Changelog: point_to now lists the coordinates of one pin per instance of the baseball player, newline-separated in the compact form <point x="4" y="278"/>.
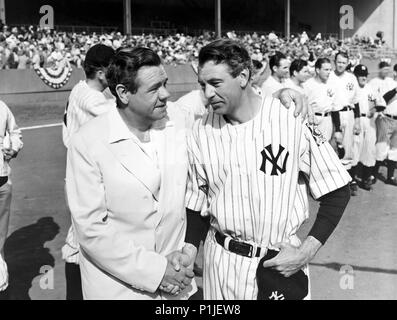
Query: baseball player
<point x="88" y="99"/>
<point x="366" y="151"/>
<point x="349" y="111"/>
<point x="279" y="67"/>
<point x="322" y="97"/>
<point x="382" y="85"/>
<point x="11" y="144"/>
<point x="246" y="156"/>
<point x="299" y="74"/>
<point x="386" y="144"/>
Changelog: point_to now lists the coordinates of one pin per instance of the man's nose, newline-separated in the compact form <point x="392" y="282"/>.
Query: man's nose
<point x="164" y="94"/>
<point x="209" y="91"/>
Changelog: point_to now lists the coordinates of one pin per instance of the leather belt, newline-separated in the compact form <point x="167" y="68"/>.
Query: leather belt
<point x="239" y="247"/>
<point x="347" y="108"/>
<point x="390" y="116"/>
<point x="326" y="114"/>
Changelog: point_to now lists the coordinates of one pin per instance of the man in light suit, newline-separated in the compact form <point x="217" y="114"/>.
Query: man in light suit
<point x="126" y="181"/>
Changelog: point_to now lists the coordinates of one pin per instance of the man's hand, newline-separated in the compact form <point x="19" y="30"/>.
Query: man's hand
<point x="287" y="96"/>
<point x="179" y="271"/>
<point x="186" y="258"/>
<point x="292" y="259"/>
<point x="338" y="137"/>
<point x="357" y="126"/>
<point x="9" y="154"/>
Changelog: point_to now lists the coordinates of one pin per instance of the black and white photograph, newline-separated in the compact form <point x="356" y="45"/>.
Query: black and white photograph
<point x="200" y="150"/>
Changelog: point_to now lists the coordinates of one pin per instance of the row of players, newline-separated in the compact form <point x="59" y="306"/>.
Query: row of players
<point x="358" y="117"/>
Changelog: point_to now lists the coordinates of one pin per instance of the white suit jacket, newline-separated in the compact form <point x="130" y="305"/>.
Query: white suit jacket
<point x="125" y="226"/>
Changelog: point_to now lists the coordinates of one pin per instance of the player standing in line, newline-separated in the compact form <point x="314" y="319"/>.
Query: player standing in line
<point x="279" y="67"/>
<point x="349" y="111"/>
<point x="368" y="100"/>
<point x="382" y="84"/>
<point x="299" y="74"/>
<point x="88" y="99"/>
<point x="322" y="98"/>
<point x="386" y="142"/>
<point x="245" y="158"/>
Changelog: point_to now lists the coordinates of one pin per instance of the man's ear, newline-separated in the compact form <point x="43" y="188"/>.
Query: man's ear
<point x="244" y="77"/>
<point x="122" y="93"/>
<point x="101" y="75"/>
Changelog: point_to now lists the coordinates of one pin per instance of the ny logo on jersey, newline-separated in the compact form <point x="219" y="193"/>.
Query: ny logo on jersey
<point x="267" y="155"/>
<point x="350" y="86"/>
<point x="371" y="97"/>
<point x="330" y="93"/>
<point x="276" y="296"/>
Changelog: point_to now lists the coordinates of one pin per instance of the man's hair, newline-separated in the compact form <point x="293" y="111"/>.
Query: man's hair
<point x="124" y="67"/>
<point x="320" y="61"/>
<point x="256" y="65"/>
<point x="395" y="68"/>
<point x="297" y="65"/>
<point x="275" y="60"/>
<point x="383" y="64"/>
<point x="97" y="58"/>
<point x="344" y="54"/>
<point x="230" y="52"/>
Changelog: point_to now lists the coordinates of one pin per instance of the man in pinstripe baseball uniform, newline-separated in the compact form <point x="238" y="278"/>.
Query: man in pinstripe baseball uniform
<point x="251" y="162"/>
<point x="88" y="99"/>
<point x="322" y="97"/>
<point x="386" y="123"/>
<point x="369" y="99"/>
<point x="349" y="110"/>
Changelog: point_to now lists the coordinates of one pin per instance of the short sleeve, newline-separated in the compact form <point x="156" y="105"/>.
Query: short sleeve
<point x="197" y="185"/>
<point x="320" y="164"/>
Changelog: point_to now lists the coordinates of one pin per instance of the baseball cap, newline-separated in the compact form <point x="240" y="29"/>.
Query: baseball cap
<point x="361" y="71"/>
<point x="272" y="285"/>
<point x="99" y="56"/>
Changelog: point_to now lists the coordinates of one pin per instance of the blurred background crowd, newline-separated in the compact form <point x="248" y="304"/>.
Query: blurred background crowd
<point x="29" y="47"/>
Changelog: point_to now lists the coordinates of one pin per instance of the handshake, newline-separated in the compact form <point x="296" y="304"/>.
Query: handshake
<point x="179" y="271"/>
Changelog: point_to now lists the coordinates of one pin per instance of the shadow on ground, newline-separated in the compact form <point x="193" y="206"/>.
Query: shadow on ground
<point x="337" y="267"/>
<point x="25" y="254"/>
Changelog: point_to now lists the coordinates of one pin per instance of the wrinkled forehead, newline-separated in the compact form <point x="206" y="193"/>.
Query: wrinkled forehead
<point x="149" y="75"/>
<point x="211" y="70"/>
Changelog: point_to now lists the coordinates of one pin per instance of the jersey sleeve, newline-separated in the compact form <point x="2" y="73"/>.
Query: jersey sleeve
<point x="320" y="164"/>
<point x="98" y="104"/>
<point x="356" y="95"/>
<point x="197" y="184"/>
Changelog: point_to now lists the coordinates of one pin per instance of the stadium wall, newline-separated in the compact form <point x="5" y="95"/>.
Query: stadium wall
<point x="25" y="88"/>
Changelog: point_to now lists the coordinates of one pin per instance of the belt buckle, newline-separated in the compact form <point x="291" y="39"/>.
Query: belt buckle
<point x="241" y="248"/>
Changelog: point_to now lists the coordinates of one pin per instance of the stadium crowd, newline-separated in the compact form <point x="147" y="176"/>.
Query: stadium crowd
<point x="27" y="47"/>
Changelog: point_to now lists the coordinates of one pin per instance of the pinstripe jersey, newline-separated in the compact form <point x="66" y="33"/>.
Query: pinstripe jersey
<point x="3" y="274"/>
<point x="84" y="104"/>
<point x="250" y="177"/>
<point x="348" y="88"/>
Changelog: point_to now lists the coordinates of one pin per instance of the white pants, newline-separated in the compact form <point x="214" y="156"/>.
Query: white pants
<point x="324" y="124"/>
<point x="5" y="205"/>
<point x="365" y="149"/>
<point x="229" y="276"/>
<point x="347" y="124"/>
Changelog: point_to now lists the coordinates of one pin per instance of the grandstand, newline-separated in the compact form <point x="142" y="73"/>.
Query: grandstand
<point x="282" y="16"/>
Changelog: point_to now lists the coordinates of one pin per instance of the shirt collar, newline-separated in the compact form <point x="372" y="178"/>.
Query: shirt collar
<point x="118" y="130"/>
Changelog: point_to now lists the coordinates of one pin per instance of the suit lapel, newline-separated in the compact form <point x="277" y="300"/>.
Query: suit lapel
<point x="135" y="161"/>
